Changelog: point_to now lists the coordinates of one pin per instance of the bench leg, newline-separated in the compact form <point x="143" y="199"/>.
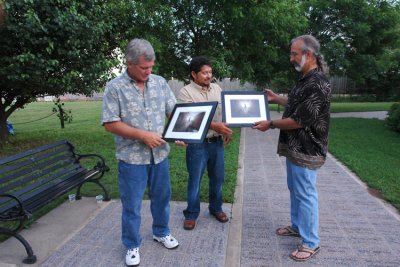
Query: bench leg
<point x="31" y="257"/>
<point x="106" y="195"/>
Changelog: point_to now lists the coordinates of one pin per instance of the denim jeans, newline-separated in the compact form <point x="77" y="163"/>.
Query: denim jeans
<point x="304" y="203"/>
<point x="198" y="157"/>
<point x="133" y="180"/>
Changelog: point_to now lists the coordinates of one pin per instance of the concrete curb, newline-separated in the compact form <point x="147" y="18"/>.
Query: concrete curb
<point x="234" y="245"/>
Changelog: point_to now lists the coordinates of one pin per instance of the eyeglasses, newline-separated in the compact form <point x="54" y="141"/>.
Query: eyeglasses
<point x="293" y="54"/>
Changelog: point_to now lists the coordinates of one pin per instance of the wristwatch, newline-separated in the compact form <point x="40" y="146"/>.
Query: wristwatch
<point x="271" y="125"/>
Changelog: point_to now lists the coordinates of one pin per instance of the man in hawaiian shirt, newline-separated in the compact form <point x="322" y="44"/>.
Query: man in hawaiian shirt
<point x="135" y="105"/>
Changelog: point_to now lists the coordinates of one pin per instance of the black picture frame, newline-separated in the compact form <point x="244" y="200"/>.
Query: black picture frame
<point x="244" y="108"/>
<point x="190" y="122"/>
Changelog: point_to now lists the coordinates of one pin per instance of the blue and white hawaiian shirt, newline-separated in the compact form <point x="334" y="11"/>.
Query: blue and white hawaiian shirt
<point x="122" y="101"/>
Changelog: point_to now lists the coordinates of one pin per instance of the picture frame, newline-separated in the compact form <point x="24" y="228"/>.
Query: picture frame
<point x="189" y="122"/>
<point x="244" y="108"/>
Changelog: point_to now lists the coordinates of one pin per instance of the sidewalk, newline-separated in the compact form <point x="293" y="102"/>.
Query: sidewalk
<point x="381" y="115"/>
<point x="356" y="228"/>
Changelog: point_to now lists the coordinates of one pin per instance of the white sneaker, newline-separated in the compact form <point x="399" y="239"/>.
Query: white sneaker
<point x="132" y="257"/>
<point x="168" y="241"/>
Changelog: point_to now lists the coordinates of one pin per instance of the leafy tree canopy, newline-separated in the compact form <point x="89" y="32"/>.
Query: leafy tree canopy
<point x="361" y="39"/>
<point x="246" y="39"/>
<point x="52" y="47"/>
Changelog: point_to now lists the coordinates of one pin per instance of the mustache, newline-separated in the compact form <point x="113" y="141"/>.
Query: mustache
<point x="295" y="64"/>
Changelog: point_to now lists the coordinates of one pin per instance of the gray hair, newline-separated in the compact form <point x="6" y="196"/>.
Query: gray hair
<point x="311" y="44"/>
<point x="139" y="47"/>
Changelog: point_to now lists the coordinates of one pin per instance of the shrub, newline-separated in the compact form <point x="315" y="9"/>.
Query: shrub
<point x="393" y="120"/>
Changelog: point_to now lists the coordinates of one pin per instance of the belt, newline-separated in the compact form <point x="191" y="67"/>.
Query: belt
<point x="213" y="139"/>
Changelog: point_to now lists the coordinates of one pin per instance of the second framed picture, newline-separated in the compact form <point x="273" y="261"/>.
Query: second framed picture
<point x="189" y="122"/>
<point x="243" y="108"/>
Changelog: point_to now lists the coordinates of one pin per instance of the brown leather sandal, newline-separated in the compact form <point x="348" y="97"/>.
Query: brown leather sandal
<point x="303" y="249"/>
<point x="287" y="231"/>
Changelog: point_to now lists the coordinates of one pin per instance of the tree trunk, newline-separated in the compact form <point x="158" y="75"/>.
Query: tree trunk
<point x="62" y="117"/>
<point x="3" y="132"/>
<point x="2" y="14"/>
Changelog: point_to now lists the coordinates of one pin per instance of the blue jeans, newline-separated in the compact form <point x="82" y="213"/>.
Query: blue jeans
<point x="133" y="180"/>
<point x="198" y="157"/>
<point x="304" y="203"/>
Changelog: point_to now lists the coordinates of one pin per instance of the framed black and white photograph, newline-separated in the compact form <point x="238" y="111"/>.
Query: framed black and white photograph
<point x="189" y="122"/>
<point x="243" y="108"/>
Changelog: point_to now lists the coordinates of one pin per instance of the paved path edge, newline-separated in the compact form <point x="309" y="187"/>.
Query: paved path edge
<point x="234" y="243"/>
<point x="389" y="207"/>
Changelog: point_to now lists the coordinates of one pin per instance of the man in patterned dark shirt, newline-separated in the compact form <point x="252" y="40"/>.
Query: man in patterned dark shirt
<point x="303" y="140"/>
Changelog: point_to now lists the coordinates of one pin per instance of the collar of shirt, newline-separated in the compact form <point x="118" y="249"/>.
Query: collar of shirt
<point x="132" y="81"/>
<point x="311" y="72"/>
<point x="200" y="88"/>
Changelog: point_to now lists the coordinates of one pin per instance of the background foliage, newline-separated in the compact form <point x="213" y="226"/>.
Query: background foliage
<point x="361" y="40"/>
<point x="393" y="120"/>
<point x="52" y="47"/>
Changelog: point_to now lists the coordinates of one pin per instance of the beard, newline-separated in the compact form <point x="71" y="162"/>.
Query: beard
<point x="204" y="83"/>
<point x="299" y="67"/>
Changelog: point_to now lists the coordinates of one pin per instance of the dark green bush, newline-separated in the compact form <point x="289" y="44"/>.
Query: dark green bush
<point x="393" y="120"/>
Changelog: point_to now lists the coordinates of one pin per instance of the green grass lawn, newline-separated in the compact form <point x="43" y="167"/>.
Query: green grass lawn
<point x="371" y="151"/>
<point x="360" y="106"/>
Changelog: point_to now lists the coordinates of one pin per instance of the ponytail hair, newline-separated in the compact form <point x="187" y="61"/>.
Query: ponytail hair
<point x="322" y="65"/>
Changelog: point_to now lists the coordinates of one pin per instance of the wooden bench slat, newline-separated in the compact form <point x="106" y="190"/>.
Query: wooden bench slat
<point x="32" y="151"/>
<point x="49" y="192"/>
<point x="53" y="192"/>
<point x="26" y="193"/>
<point x="40" y="169"/>
<point x="31" y="161"/>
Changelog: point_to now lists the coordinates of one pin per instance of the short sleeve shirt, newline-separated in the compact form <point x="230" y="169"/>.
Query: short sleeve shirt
<point x="194" y="93"/>
<point x="122" y="101"/>
<point x="309" y="105"/>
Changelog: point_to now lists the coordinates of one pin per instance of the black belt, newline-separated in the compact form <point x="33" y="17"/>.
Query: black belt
<point x="213" y="139"/>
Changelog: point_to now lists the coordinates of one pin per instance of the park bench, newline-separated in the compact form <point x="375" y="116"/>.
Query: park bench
<point x="34" y="178"/>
